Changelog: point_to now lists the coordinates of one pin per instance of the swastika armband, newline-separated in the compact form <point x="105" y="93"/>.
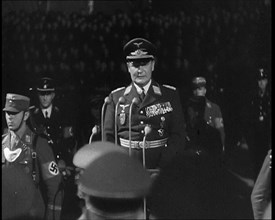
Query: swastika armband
<point x="50" y="170"/>
<point x="218" y="122"/>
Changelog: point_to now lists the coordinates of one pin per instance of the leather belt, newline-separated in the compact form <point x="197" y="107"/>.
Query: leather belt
<point x="139" y="144"/>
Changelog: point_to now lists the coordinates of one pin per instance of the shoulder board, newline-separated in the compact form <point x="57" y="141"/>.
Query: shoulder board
<point x="36" y="110"/>
<point x="118" y="89"/>
<point x="56" y="108"/>
<point x="170" y="87"/>
<point x="3" y="135"/>
<point x="128" y="90"/>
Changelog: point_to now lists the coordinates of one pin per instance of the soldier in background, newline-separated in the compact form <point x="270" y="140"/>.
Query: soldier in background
<point x="212" y="113"/>
<point x="258" y="120"/>
<point x="203" y="140"/>
<point x="48" y="119"/>
<point x="26" y="150"/>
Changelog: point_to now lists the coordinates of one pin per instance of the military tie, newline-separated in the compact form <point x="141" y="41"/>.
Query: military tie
<point x="142" y="94"/>
<point x="46" y="114"/>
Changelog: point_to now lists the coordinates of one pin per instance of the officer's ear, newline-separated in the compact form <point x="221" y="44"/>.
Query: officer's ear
<point x="26" y="115"/>
<point x="153" y="65"/>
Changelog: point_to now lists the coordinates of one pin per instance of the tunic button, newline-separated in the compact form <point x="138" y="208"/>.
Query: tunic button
<point x="142" y="122"/>
<point x="141" y="112"/>
<point x="142" y="131"/>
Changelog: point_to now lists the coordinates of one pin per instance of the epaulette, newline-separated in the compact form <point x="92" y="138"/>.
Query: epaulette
<point x="128" y="90"/>
<point x="56" y="108"/>
<point x="3" y="135"/>
<point x="118" y="89"/>
<point x="170" y="87"/>
<point x="36" y="110"/>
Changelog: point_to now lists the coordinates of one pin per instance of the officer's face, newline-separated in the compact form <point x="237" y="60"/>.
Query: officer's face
<point x="262" y="83"/>
<point x="141" y="70"/>
<point x="46" y="99"/>
<point x="201" y="91"/>
<point x="15" y="119"/>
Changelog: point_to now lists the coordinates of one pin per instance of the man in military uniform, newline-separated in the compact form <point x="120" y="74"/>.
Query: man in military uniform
<point x="259" y="120"/>
<point x="155" y="110"/>
<point x="22" y="148"/>
<point x="120" y="185"/>
<point x="212" y="113"/>
<point x="47" y="117"/>
<point x="202" y="139"/>
<point x="49" y="120"/>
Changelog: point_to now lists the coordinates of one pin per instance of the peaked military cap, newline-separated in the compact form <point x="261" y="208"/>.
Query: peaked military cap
<point x="115" y="175"/>
<point x="45" y="84"/>
<point x="139" y="48"/>
<point x="261" y="74"/>
<point x="16" y="103"/>
<point x="89" y="152"/>
<point x="198" y="82"/>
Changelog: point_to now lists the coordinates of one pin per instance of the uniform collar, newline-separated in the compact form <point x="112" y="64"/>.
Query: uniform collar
<point x="49" y="110"/>
<point x="153" y="93"/>
<point x="146" y="88"/>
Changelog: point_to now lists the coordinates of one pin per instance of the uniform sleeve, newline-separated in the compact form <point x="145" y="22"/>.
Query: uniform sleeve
<point x="51" y="177"/>
<point x="109" y="123"/>
<point x="176" y="139"/>
<point x="219" y="123"/>
<point x="261" y="193"/>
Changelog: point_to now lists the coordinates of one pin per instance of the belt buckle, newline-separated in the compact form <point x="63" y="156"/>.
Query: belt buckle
<point x="140" y="144"/>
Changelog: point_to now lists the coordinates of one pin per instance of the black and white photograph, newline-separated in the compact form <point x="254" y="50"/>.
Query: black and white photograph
<point x="136" y="109"/>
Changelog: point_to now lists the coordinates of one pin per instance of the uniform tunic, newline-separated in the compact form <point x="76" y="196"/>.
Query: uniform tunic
<point x="52" y="126"/>
<point x="213" y="117"/>
<point x="161" y="109"/>
<point x="46" y="169"/>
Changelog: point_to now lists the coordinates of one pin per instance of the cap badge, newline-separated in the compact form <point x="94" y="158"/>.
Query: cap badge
<point x="45" y="86"/>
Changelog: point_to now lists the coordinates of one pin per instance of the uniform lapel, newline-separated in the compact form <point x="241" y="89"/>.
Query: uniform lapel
<point x="152" y="95"/>
<point x="130" y="93"/>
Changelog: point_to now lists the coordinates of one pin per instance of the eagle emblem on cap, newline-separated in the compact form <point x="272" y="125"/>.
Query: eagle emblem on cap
<point x="138" y="44"/>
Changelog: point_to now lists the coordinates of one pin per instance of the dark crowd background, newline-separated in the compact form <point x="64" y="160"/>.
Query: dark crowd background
<point x="225" y="41"/>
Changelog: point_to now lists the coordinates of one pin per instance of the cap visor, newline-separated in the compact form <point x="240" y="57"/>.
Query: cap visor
<point x="139" y="57"/>
<point x="45" y="90"/>
<point x="11" y="109"/>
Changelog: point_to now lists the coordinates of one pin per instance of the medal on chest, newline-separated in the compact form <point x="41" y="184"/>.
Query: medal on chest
<point x="122" y="115"/>
<point x="161" y="130"/>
